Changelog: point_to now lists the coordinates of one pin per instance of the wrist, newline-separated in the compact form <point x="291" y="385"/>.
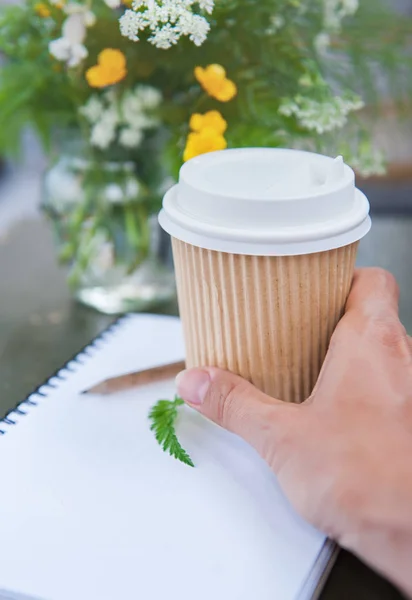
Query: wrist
<point x="379" y="529"/>
<point x="387" y="552"/>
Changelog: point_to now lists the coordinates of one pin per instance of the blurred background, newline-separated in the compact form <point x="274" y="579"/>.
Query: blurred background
<point x="43" y="319"/>
<point x="390" y="194"/>
<point x="78" y="236"/>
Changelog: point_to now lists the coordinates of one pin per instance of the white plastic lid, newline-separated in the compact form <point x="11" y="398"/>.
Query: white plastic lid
<point x="266" y="201"/>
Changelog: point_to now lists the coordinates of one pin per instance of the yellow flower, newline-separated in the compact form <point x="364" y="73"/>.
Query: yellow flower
<point x="110" y="69"/>
<point x="214" y="81"/>
<point x="42" y="10"/>
<point x="201" y="142"/>
<point x="212" y="119"/>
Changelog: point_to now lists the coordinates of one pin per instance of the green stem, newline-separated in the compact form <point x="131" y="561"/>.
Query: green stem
<point x="145" y="228"/>
<point x="137" y="233"/>
<point x="132" y="232"/>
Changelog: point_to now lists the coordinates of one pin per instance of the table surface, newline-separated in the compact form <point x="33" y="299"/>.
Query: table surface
<point x="41" y="328"/>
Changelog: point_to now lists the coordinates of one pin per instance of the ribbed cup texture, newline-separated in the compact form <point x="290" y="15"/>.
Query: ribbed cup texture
<point x="266" y="318"/>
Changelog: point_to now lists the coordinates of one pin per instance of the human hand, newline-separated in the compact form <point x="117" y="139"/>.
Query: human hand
<point x="344" y="456"/>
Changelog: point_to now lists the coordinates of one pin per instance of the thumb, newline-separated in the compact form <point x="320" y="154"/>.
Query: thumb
<point x="234" y="404"/>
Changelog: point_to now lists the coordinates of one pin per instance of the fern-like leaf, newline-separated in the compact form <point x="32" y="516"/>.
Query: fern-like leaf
<point x="163" y="420"/>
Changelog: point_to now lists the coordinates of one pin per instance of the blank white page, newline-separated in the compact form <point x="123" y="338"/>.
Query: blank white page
<point x="92" y="509"/>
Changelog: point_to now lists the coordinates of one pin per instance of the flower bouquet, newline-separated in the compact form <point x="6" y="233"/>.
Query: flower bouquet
<point x="122" y="93"/>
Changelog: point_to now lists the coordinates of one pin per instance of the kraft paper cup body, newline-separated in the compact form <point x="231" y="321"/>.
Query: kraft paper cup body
<point x="266" y="318"/>
<point x="266" y="314"/>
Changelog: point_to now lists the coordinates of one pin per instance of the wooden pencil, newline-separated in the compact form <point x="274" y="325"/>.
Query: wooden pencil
<point x="137" y="379"/>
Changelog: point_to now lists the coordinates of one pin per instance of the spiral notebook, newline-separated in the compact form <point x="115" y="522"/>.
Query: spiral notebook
<point x="92" y="509"/>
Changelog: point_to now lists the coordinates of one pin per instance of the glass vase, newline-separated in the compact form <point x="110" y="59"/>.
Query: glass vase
<point x="119" y="259"/>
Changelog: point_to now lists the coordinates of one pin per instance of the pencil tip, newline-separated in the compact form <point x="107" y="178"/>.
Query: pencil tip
<point x="93" y="391"/>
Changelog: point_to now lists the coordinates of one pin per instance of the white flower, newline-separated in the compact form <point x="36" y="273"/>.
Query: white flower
<point x="195" y="27"/>
<point x="140" y="121"/>
<point x="336" y="10"/>
<point x="114" y="193"/>
<point x="103" y="134"/>
<point x="276" y="22"/>
<point x="131" y="103"/>
<point x="129" y="25"/>
<point x="367" y="160"/>
<point x="207" y="5"/>
<point x="322" y="42"/>
<point x="69" y="48"/>
<point x="149" y="96"/>
<point x="65" y="51"/>
<point x="164" y="37"/>
<point x="92" y="110"/>
<point x="104" y="131"/>
<point x="60" y="49"/>
<point x="113" y="3"/>
<point x="72" y="8"/>
<point x="167" y="20"/>
<point x="88" y="16"/>
<point x="135" y="105"/>
<point x="321" y="116"/>
<point x="130" y="137"/>
<point x="350" y="7"/>
<point x="124" y="119"/>
<point x="132" y="189"/>
<point x="111" y="115"/>
<point x="74" y="29"/>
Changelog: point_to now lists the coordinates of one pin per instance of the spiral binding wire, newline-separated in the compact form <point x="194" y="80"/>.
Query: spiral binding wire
<point x="38" y="395"/>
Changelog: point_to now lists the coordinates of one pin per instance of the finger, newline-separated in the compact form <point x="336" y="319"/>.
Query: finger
<point x="371" y="320"/>
<point x="374" y="291"/>
<point x="369" y="328"/>
<point x="234" y="404"/>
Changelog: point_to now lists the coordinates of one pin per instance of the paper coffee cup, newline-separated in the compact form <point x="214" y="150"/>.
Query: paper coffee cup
<point x="264" y="244"/>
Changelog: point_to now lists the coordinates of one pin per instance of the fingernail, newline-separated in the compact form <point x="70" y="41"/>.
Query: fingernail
<point x="192" y="385"/>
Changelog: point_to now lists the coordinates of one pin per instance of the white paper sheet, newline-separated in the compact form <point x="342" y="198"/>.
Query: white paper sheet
<point x="92" y="509"/>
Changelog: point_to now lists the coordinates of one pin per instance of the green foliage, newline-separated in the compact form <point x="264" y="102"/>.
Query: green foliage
<point x="297" y="65"/>
<point x="163" y="420"/>
<point x="268" y="48"/>
<point x="33" y="90"/>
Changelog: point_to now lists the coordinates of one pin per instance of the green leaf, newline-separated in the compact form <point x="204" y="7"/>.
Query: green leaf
<point x="163" y="418"/>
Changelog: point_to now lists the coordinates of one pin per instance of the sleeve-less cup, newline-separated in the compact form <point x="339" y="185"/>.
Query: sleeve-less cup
<point x="264" y="245"/>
